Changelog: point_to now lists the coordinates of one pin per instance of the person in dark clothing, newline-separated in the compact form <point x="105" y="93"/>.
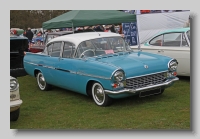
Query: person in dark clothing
<point x="112" y="28"/>
<point x="29" y="35"/>
<point x="99" y="28"/>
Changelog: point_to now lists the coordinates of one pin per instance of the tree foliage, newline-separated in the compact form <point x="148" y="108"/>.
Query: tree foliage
<point x="32" y="18"/>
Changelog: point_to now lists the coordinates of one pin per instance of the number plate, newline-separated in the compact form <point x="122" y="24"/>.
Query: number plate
<point x="150" y="92"/>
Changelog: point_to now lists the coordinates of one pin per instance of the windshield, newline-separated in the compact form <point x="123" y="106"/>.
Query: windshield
<point x="102" y="46"/>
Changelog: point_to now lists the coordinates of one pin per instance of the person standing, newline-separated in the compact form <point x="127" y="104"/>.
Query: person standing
<point x="29" y="35"/>
<point x="112" y="28"/>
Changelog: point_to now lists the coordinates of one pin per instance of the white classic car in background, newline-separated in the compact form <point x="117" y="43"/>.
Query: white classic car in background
<point x="174" y="43"/>
<point x="15" y="101"/>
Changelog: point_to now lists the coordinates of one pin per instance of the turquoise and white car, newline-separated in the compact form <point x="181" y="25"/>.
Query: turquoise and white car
<point x="174" y="43"/>
<point x="101" y="65"/>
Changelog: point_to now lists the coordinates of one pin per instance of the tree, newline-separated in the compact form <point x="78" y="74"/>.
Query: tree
<point x="32" y="18"/>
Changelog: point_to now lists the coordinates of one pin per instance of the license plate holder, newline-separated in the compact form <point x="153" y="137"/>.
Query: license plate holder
<point x="150" y="92"/>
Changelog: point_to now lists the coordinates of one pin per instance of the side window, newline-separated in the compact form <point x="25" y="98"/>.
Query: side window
<point x="157" y="41"/>
<point x="68" y="50"/>
<point x="86" y="48"/>
<point x="80" y="49"/>
<point x="55" y="49"/>
<point x="172" y="39"/>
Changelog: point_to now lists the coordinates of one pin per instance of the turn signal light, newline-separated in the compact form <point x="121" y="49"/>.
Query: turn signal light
<point x="115" y="85"/>
<point x="175" y="73"/>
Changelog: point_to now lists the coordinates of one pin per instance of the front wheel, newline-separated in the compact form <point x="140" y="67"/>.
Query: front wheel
<point x="43" y="85"/>
<point x="14" y="115"/>
<point x="99" y="96"/>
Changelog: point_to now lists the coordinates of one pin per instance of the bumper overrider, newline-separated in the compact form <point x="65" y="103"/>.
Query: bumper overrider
<point x="127" y="90"/>
<point x="14" y="105"/>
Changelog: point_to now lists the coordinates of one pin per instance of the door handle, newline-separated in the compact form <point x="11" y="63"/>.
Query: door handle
<point x="160" y="51"/>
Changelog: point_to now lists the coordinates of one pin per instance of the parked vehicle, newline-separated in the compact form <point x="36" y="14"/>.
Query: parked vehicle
<point x="39" y="42"/>
<point x="18" y="47"/>
<point x="174" y="43"/>
<point x="101" y="65"/>
<point x="15" y="101"/>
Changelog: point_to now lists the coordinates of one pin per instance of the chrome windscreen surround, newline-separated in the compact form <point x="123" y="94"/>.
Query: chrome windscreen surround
<point x="144" y="81"/>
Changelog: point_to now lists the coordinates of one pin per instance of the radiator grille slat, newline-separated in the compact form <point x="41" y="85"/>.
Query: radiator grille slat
<point x="144" y="81"/>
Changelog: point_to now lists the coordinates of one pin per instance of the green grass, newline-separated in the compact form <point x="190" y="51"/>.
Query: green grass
<point x="63" y="109"/>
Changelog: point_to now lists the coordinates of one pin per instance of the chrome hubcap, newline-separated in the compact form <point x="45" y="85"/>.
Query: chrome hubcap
<point x="41" y="81"/>
<point x="99" y="94"/>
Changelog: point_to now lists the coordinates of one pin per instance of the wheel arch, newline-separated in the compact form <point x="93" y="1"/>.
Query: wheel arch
<point x="89" y="86"/>
<point x="36" y="71"/>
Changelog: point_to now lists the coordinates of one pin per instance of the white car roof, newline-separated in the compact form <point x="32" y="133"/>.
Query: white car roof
<point x="80" y="37"/>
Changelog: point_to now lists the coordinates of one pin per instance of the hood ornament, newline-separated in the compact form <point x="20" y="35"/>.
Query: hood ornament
<point x="146" y="66"/>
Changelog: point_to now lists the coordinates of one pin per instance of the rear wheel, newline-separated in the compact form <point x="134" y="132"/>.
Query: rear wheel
<point x="99" y="96"/>
<point x="42" y="84"/>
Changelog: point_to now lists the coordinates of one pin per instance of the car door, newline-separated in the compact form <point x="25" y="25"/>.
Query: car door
<point x="65" y="73"/>
<point x="50" y="73"/>
<point x="176" y="46"/>
<point x="173" y="45"/>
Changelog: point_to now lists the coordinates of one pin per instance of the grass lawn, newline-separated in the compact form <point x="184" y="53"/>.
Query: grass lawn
<point x="63" y="109"/>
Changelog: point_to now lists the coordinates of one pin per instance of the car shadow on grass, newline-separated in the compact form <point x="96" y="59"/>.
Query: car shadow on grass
<point x="131" y="100"/>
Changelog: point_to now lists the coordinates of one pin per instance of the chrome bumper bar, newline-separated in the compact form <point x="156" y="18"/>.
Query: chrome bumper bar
<point x="125" y="90"/>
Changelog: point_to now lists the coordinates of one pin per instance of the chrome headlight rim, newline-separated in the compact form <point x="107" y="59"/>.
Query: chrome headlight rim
<point x="118" y="76"/>
<point x="172" y="65"/>
<point x="14" y="84"/>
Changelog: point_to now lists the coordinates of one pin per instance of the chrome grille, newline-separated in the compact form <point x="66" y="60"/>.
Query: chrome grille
<point x="144" y="81"/>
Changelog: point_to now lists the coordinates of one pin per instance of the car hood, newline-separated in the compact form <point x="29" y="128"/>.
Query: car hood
<point x="137" y="63"/>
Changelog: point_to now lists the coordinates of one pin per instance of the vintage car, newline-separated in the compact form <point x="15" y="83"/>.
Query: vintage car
<point x="174" y="43"/>
<point x="40" y="41"/>
<point x="15" y="101"/>
<point x="18" y="48"/>
<point x="101" y="65"/>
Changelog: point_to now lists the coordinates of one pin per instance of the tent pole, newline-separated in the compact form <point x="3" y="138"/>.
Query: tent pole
<point x="73" y="27"/>
<point x="138" y="40"/>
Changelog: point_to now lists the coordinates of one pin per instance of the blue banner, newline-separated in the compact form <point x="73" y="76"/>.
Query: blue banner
<point x="130" y="32"/>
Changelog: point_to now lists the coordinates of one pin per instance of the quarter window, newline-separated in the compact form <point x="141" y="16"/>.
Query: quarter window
<point x="157" y="41"/>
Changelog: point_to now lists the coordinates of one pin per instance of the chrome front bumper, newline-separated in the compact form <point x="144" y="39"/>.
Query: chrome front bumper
<point x="125" y="90"/>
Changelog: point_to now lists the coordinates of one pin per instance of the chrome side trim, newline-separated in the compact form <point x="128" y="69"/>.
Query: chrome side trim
<point x="73" y="72"/>
<point x="90" y="75"/>
<point x="132" y="91"/>
<point x="30" y="63"/>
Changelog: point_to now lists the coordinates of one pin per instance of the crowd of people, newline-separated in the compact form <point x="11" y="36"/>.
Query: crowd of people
<point x="151" y="11"/>
<point x="34" y="35"/>
<point x="97" y="28"/>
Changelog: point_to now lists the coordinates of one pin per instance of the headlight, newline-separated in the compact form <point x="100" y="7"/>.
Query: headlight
<point x="119" y="76"/>
<point x="14" y="85"/>
<point x="173" y="65"/>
